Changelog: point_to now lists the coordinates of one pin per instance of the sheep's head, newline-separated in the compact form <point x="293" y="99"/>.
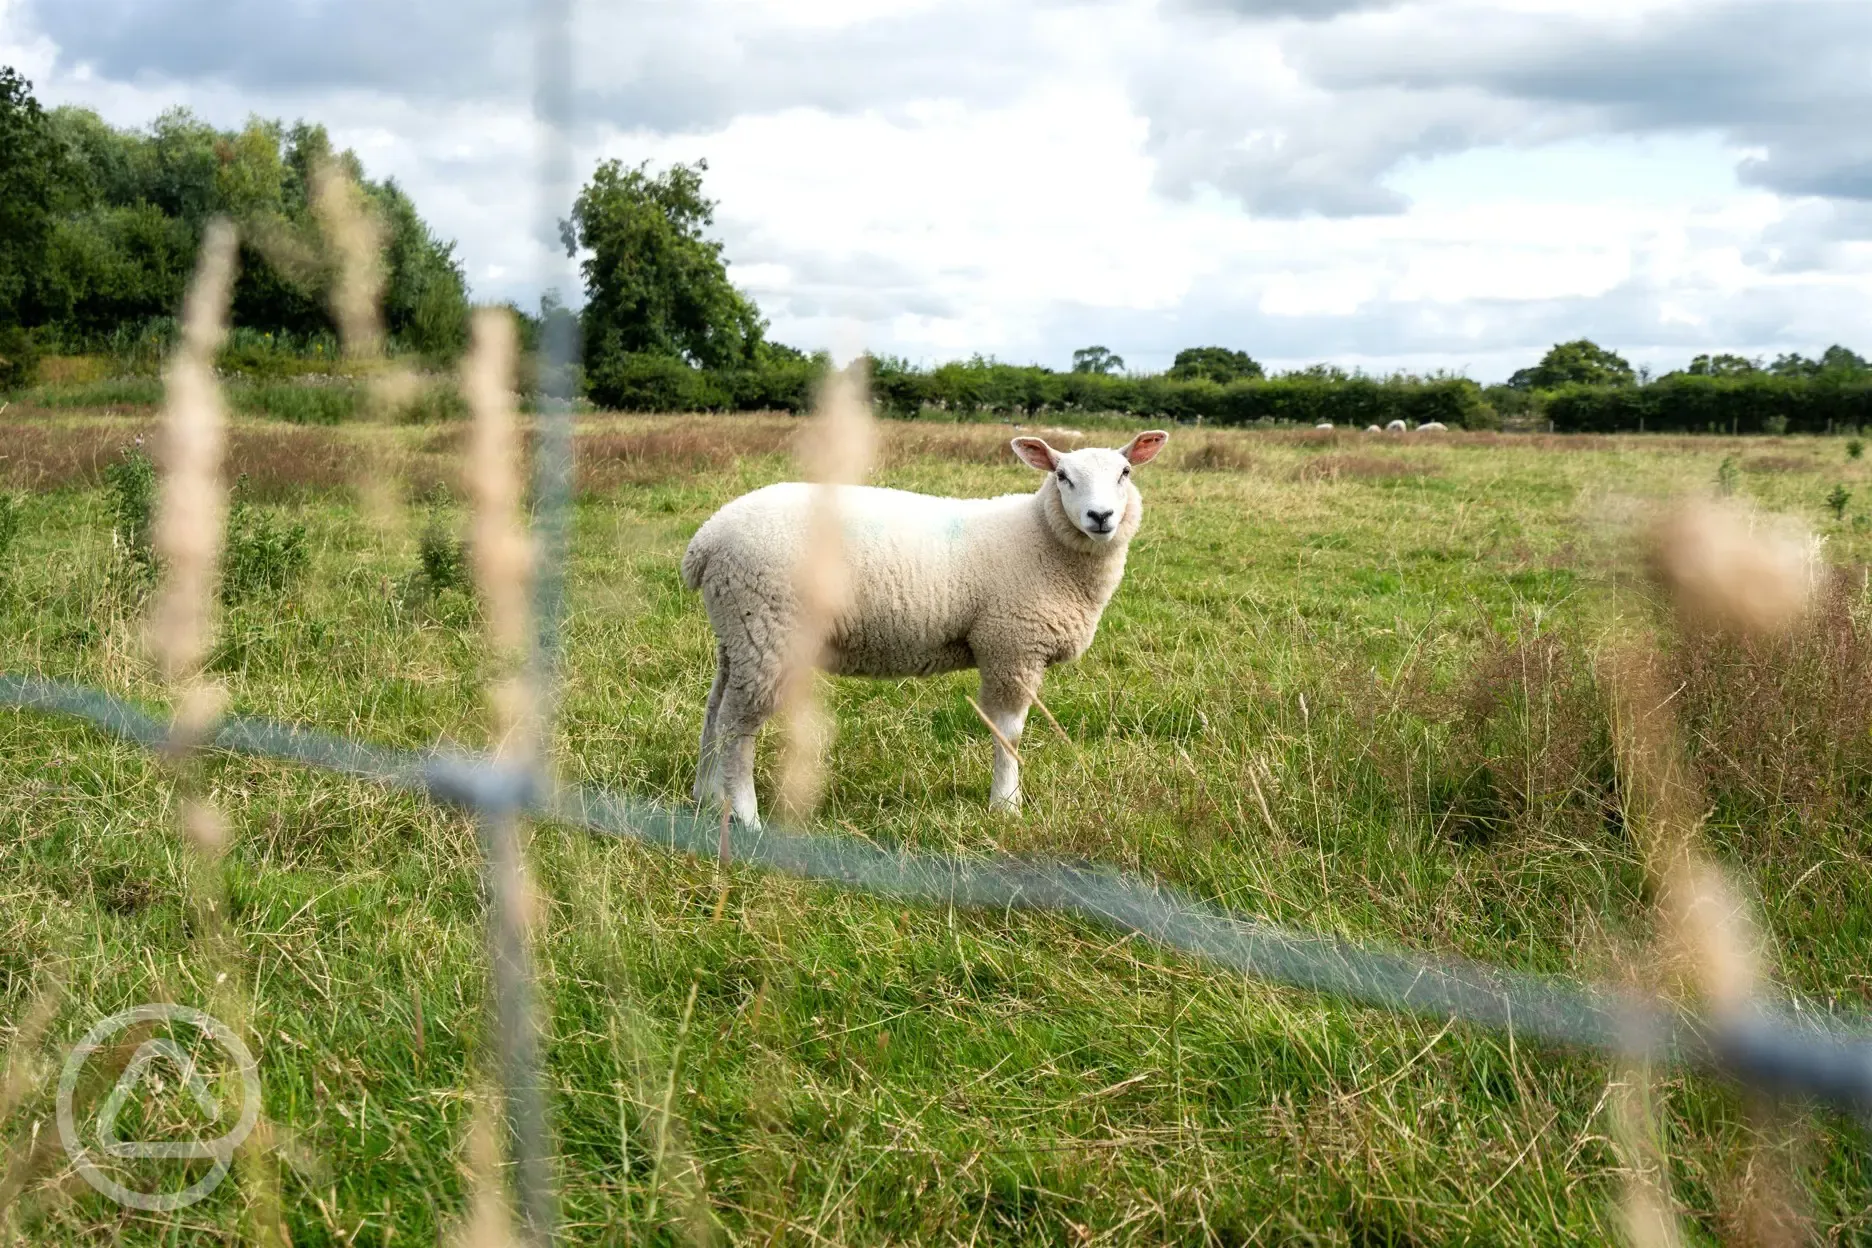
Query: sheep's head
<point x="1094" y="484"/>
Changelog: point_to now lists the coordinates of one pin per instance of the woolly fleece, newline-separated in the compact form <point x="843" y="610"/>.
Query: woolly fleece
<point x="1009" y="585"/>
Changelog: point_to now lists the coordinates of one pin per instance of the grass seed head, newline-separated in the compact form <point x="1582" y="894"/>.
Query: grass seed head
<point x="1731" y="571"/>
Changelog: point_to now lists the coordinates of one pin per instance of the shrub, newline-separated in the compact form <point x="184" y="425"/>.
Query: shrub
<point x="441" y="558"/>
<point x="19" y="359"/>
<point x="9" y="527"/>
<point x="1837" y="501"/>
<point x="263" y="553"/>
<point x="132" y="485"/>
<point x="1854" y="448"/>
<point x="296" y="403"/>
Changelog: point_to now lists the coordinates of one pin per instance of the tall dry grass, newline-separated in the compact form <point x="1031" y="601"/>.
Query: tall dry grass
<point x="837" y="449"/>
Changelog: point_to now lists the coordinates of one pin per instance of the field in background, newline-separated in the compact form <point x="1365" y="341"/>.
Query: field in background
<point x="1349" y="683"/>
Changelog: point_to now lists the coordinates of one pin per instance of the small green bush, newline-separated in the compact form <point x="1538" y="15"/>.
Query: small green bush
<point x="132" y="485"/>
<point x="441" y="559"/>
<point x="9" y="528"/>
<point x="1728" y="476"/>
<point x="1854" y="448"/>
<point x="19" y="359"/>
<point x="263" y="553"/>
<point x="1837" y="501"/>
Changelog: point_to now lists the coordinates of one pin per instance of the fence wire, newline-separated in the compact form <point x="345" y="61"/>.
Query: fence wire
<point x="1790" y="1050"/>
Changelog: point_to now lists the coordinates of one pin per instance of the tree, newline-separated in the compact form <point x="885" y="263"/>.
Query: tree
<point x="30" y="172"/>
<point x="1581" y="362"/>
<point x="1097" y="360"/>
<point x="1837" y="359"/>
<point x="655" y="283"/>
<point x="1218" y="364"/>
<point x="1721" y="366"/>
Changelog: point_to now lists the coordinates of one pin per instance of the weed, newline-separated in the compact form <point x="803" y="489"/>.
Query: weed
<point x="263" y="554"/>
<point x="1855" y="447"/>
<point x="1728" y="476"/>
<point x="1837" y="500"/>
<point x="9" y="528"/>
<point x="132" y="484"/>
<point x="441" y="558"/>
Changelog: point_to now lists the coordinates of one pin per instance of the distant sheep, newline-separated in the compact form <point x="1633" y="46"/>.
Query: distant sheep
<point x="1373" y="429"/>
<point x="1324" y="424"/>
<point x="1433" y="426"/>
<point x="1009" y="585"/>
<point x="1396" y="426"/>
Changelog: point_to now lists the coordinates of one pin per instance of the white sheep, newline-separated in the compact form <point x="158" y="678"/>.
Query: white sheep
<point x="1009" y="585"/>
<point x="1324" y="424"/>
<point x="1373" y="429"/>
<point x="1396" y="426"/>
<point x="1433" y="426"/>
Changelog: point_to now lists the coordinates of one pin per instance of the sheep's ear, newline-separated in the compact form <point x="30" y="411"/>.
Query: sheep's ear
<point x="1143" y="448"/>
<point x="1036" y="454"/>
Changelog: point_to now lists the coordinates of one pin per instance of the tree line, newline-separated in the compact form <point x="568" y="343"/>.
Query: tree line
<point x="99" y="227"/>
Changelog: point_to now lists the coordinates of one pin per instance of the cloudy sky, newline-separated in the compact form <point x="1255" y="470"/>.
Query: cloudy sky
<point x="1380" y="183"/>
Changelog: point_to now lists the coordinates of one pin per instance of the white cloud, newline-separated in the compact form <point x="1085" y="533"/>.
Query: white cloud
<point x="1428" y="183"/>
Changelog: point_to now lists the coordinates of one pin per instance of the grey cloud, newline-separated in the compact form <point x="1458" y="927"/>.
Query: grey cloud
<point x="662" y="67"/>
<point x="1788" y="76"/>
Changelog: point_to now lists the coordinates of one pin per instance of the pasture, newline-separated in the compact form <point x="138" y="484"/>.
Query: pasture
<point x="1352" y="683"/>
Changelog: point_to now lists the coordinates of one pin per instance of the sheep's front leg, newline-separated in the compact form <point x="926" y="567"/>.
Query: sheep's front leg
<point x="1005" y="698"/>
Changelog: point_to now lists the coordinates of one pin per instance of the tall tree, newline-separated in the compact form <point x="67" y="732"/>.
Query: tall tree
<point x="655" y="284"/>
<point x="1213" y="364"/>
<point x="1100" y="360"/>
<point x="30" y="171"/>
<point x="1580" y="362"/>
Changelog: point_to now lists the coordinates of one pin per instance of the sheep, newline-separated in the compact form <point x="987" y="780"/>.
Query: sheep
<point x="1396" y="426"/>
<point x="1433" y="426"/>
<point x="1373" y="429"/>
<point x="1324" y="424"/>
<point x="1008" y="585"/>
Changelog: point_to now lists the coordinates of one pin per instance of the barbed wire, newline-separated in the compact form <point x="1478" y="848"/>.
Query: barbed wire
<point x="1793" y="1049"/>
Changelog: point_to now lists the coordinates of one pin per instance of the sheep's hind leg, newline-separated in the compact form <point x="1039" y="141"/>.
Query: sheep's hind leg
<point x="708" y="780"/>
<point x="737" y="721"/>
<point x="1005" y="699"/>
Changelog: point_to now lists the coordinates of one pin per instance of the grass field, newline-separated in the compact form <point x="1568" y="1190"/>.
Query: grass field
<point x="1349" y="683"/>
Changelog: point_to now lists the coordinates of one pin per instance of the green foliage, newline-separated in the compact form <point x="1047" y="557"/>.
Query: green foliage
<point x="1836" y="501"/>
<point x="1578" y="363"/>
<point x="1748" y="403"/>
<point x="296" y="403"/>
<point x="1217" y="364"/>
<point x="263" y="554"/>
<point x="19" y="358"/>
<point x="656" y="287"/>
<point x="9" y="528"/>
<point x="1728" y="476"/>
<point x="132" y="485"/>
<point x="31" y="175"/>
<point x="1721" y="366"/>
<point x="441" y="558"/>
<point x="1855" y="448"/>
<point x="112" y="221"/>
<point x="1100" y="361"/>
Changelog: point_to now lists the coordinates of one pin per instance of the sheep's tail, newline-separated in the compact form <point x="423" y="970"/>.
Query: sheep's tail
<point x="695" y="559"/>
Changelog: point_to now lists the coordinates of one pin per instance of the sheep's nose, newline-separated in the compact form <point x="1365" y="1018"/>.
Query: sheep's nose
<point x="1099" y="519"/>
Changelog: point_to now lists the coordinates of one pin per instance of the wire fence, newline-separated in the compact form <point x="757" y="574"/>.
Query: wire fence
<point x="1789" y="1049"/>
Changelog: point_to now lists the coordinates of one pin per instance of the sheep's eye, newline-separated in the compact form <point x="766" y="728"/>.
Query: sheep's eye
<point x="1064" y="480"/>
<point x="1123" y="473"/>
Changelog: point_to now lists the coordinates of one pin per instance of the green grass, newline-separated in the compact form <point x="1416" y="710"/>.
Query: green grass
<point x="1343" y="695"/>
